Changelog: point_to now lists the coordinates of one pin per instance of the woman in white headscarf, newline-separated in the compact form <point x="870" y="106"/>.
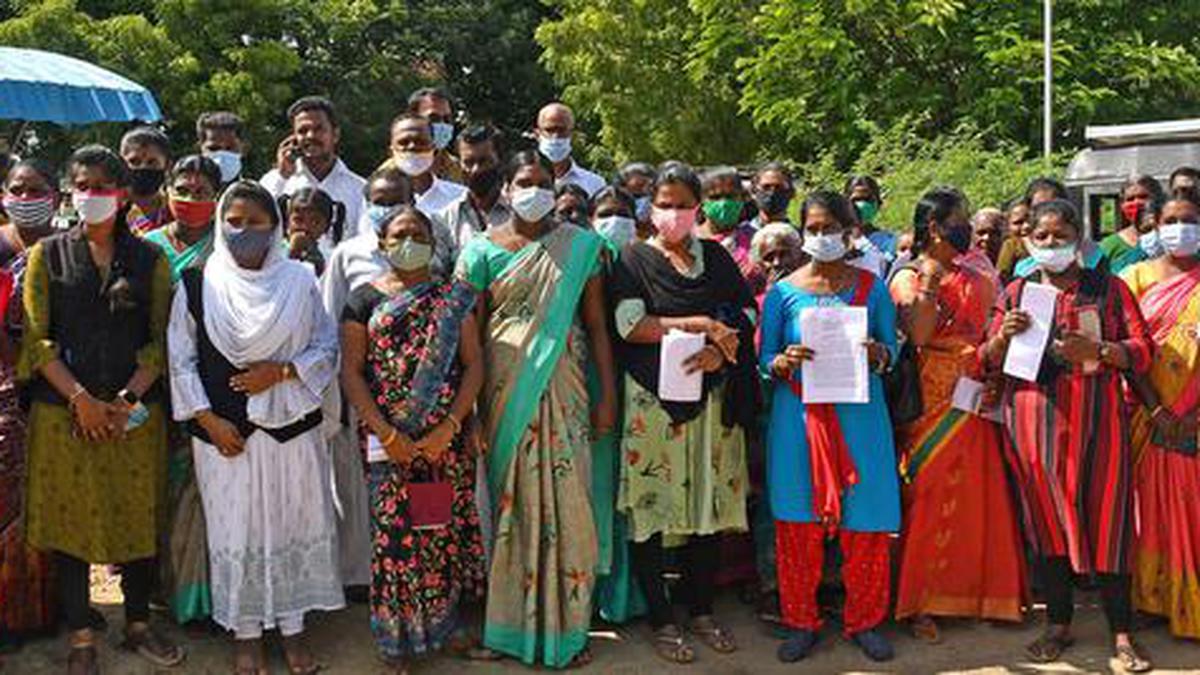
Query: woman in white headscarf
<point x="252" y="352"/>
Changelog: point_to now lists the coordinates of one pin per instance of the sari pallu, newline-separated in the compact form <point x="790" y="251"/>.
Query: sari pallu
<point x="420" y="576"/>
<point x="1068" y="434"/>
<point x="1166" y="570"/>
<point x="536" y="418"/>
<point x="960" y="548"/>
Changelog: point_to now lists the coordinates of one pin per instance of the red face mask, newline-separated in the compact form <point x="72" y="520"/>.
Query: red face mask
<point x="193" y="213"/>
<point x="1131" y="210"/>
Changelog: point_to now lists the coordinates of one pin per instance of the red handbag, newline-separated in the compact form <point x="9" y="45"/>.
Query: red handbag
<point x="430" y="504"/>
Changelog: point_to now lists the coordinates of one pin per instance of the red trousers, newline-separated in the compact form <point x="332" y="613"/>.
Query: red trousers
<point x="866" y="572"/>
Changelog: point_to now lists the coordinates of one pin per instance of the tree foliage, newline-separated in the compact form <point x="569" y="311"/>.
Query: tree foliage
<point x="815" y="75"/>
<point x="255" y="56"/>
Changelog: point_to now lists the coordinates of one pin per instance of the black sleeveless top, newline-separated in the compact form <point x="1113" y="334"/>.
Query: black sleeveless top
<point x="215" y="372"/>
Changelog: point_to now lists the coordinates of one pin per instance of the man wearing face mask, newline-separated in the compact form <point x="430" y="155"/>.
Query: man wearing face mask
<point x="434" y="105"/>
<point x="221" y="138"/>
<point x="482" y="206"/>
<point x="308" y="158"/>
<point x="772" y="190"/>
<point x="147" y="153"/>
<point x="412" y="149"/>
<point x="555" y="125"/>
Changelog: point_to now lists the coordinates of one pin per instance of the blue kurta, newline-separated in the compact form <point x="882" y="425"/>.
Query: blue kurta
<point x="873" y="504"/>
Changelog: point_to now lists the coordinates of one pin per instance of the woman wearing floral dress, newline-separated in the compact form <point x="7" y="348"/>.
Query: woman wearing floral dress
<point x="412" y="367"/>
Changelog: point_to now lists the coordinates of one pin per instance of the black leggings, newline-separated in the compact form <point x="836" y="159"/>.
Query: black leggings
<point x="1115" y="594"/>
<point x="701" y="556"/>
<point x="137" y="579"/>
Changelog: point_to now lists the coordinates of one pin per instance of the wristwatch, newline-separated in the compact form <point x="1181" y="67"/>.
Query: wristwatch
<point x="130" y="398"/>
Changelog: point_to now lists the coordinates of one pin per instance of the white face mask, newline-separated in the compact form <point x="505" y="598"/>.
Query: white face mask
<point x="1180" y="240"/>
<point x="1054" y="259"/>
<point x="617" y="229"/>
<point x="554" y="148"/>
<point x="414" y="163"/>
<point x="532" y="204"/>
<point x="95" y="206"/>
<point x="229" y="162"/>
<point x="825" y="247"/>
<point x="443" y="133"/>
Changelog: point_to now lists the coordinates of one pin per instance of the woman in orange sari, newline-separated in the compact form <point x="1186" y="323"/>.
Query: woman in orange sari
<point x="1166" y="470"/>
<point x="961" y="555"/>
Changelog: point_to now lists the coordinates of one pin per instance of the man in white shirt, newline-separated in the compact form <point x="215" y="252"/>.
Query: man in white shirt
<point x="412" y="153"/>
<point x="555" y="124"/>
<point x="308" y="158"/>
<point x="482" y="206"/>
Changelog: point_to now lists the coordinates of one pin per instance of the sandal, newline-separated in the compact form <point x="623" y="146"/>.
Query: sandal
<point x="83" y="659"/>
<point x="148" y="644"/>
<point x="875" y="646"/>
<point x="926" y="630"/>
<point x="1131" y="661"/>
<point x="713" y="634"/>
<point x="670" y="644"/>
<point x="299" y="660"/>
<point x="581" y="660"/>
<point x="1049" y="647"/>
<point x="798" y="646"/>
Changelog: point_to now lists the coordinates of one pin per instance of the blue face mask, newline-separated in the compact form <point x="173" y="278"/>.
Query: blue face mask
<point x="248" y="246"/>
<point x="379" y="215"/>
<point x="1054" y="259"/>
<point x="643" y="208"/>
<point x="1150" y="244"/>
<point x="443" y="133"/>
<point x="554" y="148"/>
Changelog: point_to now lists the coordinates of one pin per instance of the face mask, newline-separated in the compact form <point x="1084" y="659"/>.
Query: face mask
<point x="485" y="182"/>
<point x="247" y="246"/>
<point x="379" y="215"/>
<point x="867" y="210"/>
<point x="724" y="213"/>
<point x="414" y="163"/>
<point x="1054" y="259"/>
<point x="95" y="206"/>
<point x="1131" y="211"/>
<point x="825" y="247"/>
<point x="1181" y="240"/>
<point x="554" y="148"/>
<point x="229" y="162"/>
<point x="532" y="204"/>
<point x="28" y="213"/>
<point x="959" y="237"/>
<point x="617" y="229"/>
<point x="193" y="213"/>
<point x="673" y="225"/>
<point x="409" y="255"/>
<point x="443" y="133"/>
<point x="1150" y="244"/>
<point x="642" y="210"/>
<point x="146" y="181"/>
<point x="772" y="203"/>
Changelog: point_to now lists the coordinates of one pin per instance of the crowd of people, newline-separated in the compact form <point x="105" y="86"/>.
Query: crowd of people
<point x="436" y="390"/>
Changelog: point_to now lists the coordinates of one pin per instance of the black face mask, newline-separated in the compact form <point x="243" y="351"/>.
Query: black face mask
<point x="146" y="181"/>
<point x="485" y="182"/>
<point x="958" y="236"/>
<point x="772" y="203"/>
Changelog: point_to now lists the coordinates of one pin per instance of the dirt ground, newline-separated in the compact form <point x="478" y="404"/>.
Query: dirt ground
<point x="343" y="641"/>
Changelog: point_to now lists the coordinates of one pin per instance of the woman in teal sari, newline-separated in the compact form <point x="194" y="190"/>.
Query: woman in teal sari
<point x="187" y="240"/>
<point x="543" y="317"/>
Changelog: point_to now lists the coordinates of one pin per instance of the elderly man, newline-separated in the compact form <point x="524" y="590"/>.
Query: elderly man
<point x="555" y="125"/>
<point x="989" y="228"/>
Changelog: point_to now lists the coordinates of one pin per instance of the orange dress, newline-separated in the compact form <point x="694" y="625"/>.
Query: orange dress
<point x="960" y="547"/>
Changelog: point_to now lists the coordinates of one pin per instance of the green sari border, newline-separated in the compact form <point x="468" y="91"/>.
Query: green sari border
<point x="541" y="357"/>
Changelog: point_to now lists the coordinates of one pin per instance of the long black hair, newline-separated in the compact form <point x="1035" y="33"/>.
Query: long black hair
<point x="937" y="205"/>
<point x="836" y="204"/>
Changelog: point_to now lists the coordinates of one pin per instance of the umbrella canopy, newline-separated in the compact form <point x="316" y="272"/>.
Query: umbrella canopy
<point x="40" y="86"/>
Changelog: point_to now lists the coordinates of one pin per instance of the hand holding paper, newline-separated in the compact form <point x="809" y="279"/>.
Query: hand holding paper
<point x="837" y="371"/>
<point x="1025" y="349"/>
<point x="675" y="383"/>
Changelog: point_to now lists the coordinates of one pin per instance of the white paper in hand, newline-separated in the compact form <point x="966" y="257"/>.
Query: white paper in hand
<point x="1024" y="357"/>
<point x="968" y="397"/>
<point x="837" y="373"/>
<point x="674" y="382"/>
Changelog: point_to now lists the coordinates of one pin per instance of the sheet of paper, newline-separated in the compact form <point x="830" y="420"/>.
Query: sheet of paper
<point x="375" y="450"/>
<point x="675" y="384"/>
<point x="1025" y="351"/>
<point x="968" y="397"/>
<point x="838" y="371"/>
<point x="1089" y="325"/>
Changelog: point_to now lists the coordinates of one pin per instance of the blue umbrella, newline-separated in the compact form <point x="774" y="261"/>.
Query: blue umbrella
<point x="40" y="86"/>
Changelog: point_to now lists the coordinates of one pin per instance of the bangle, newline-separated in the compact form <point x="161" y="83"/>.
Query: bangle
<point x="1157" y="410"/>
<point x="79" y="391"/>
<point x="390" y="439"/>
<point x="286" y="371"/>
<point x="454" y="423"/>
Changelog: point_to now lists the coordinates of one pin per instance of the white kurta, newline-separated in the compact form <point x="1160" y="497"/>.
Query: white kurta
<point x="272" y="537"/>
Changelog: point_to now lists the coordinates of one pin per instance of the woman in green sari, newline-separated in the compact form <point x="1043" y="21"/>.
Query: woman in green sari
<point x="543" y="313"/>
<point x="186" y="241"/>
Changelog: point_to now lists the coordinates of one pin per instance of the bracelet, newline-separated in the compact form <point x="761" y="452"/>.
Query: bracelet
<point x="1157" y="409"/>
<point x="390" y="439"/>
<point x="454" y="423"/>
<point x="79" y="391"/>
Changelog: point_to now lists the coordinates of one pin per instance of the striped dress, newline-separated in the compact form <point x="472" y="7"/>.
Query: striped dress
<point x="1069" y="444"/>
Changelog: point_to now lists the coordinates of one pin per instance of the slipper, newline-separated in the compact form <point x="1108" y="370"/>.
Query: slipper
<point x="798" y="647"/>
